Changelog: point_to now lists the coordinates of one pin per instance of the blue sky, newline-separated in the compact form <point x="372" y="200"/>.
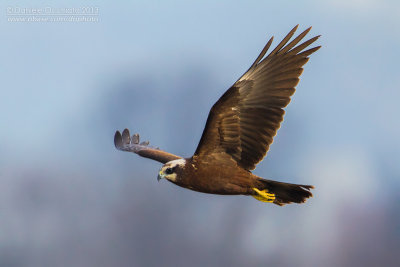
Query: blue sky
<point x="157" y="68"/>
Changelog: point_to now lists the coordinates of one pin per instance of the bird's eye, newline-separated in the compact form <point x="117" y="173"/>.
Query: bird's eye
<point x="168" y="171"/>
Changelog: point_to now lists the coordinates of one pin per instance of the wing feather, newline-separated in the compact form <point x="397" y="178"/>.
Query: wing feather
<point x="127" y="143"/>
<point x="243" y="122"/>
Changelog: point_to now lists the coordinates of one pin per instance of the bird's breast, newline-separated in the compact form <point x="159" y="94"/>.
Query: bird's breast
<point x="212" y="178"/>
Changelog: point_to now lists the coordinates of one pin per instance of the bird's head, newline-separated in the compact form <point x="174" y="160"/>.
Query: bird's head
<point x="171" y="169"/>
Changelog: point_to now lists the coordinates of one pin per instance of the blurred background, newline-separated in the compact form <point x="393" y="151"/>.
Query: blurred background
<point x="69" y="198"/>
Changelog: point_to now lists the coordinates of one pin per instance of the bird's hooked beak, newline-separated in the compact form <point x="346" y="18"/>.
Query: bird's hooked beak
<point x="160" y="175"/>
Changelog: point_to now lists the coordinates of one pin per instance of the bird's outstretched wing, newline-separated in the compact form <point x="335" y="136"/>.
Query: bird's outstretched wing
<point x="127" y="143"/>
<point x="243" y="122"/>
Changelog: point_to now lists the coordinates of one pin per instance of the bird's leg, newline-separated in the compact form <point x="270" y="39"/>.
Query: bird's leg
<point x="263" y="195"/>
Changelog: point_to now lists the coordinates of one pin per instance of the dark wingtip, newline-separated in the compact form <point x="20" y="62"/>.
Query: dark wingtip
<point x="306" y="31"/>
<point x="126" y="138"/>
<point x="135" y="139"/>
<point x="117" y="140"/>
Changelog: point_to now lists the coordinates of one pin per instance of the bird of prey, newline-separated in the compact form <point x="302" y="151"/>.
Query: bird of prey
<point x="239" y="130"/>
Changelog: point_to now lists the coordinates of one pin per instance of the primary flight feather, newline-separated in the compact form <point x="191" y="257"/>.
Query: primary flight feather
<point x="239" y="130"/>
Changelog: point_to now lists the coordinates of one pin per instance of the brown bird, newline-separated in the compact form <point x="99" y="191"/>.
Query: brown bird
<point x="239" y="130"/>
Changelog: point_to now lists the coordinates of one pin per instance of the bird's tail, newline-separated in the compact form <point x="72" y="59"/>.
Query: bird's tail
<point x="281" y="193"/>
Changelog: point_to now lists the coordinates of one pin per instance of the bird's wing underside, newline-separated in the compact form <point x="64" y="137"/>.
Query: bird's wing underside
<point x="243" y="122"/>
<point x="127" y="143"/>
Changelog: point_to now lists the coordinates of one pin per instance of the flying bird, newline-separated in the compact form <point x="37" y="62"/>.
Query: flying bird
<point x="239" y="130"/>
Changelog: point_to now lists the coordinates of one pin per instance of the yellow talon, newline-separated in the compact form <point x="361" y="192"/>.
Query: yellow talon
<point x="263" y="195"/>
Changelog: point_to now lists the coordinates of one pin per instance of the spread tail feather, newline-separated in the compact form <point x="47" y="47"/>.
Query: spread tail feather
<point x="281" y="193"/>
